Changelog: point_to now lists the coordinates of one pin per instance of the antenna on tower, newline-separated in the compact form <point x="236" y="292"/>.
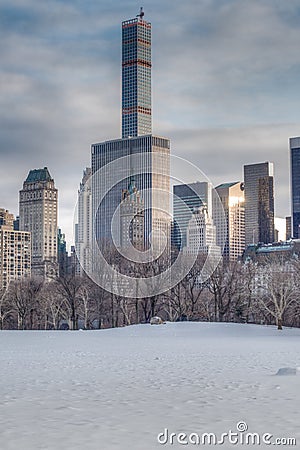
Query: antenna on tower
<point x="141" y="14"/>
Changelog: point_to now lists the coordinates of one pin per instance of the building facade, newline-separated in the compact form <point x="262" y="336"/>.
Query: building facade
<point x="83" y="238"/>
<point x="280" y="251"/>
<point x="259" y="203"/>
<point x="187" y="198"/>
<point x="280" y="229"/>
<point x="38" y="215"/>
<point x="62" y="253"/>
<point x="136" y="77"/>
<point x="15" y="252"/>
<point x="147" y="159"/>
<point x="233" y="227"/>
<point x="132" y="218"/>
<point x="295" y="184"/>
<point x="201" y="234"/>
<point x="288" y="227"/>
<point x="6" y="218"/>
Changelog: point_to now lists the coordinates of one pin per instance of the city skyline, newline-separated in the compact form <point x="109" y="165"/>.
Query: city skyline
<point x="61" y="80"/>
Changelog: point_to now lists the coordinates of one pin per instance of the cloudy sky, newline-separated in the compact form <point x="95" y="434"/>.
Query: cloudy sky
<point x="225" y="87"/>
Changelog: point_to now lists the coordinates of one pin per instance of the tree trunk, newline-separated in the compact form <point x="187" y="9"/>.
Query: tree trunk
<point x="137" y="310"/>
<point x="112" y="311"/>
<point x="152" y="306"/>
<point x="73" y="320"/>
<point x="279" y="323"/>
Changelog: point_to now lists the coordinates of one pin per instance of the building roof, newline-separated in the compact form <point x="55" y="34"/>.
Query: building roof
<point x="227" y="185"/>
<point x="38" y="175"/>
<point x="286" y="246"/>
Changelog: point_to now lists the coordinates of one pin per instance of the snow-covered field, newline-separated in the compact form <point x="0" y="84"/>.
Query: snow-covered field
<point x="118" y="389"/>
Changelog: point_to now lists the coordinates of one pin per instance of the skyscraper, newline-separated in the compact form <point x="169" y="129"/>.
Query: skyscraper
<point x="38" y="214"/>
<point x="295" y="184"/>
<point x="201" y="234"/>
<point x="147" y="156"/>
<point x="83" y="238"/>
<point x="259" y="203"/>
<point x="233" y="201"/>
<point x="136" y="77"/>
<point x="147" y="159"/>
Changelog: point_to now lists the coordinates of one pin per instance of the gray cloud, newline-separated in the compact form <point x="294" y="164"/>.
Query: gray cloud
<point x="225" y="76"/>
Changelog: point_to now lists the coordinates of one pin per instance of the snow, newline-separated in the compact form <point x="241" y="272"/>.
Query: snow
<point x="119" y="388"/>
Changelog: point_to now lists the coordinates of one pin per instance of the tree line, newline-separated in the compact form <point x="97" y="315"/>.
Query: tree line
<point x="243" y="292"/>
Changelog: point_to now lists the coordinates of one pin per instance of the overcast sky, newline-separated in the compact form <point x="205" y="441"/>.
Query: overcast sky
<point x="225" y="87"/>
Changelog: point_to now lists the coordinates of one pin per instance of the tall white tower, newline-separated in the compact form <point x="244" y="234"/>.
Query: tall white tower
<point x="84" y="228"/>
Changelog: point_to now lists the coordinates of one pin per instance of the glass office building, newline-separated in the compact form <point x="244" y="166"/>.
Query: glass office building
<point x="147" y="160"/>
<point x="232" y="230"/>
<point x="295" y="184"/>
<point x="136" y="77"/>
<point x="259" y="203"/>
<point x="186" y="199"/>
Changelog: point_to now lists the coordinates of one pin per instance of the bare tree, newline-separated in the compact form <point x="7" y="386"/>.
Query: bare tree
<point x="24" y="295"/>
<point x="100" y="310"/>
<point x="193" y="286"/>
<point x="278" y="290"/>
<point x="53" y="306"/>
<point x="247" y="278"/>
<point x="5" y="307"/>
<point x="224" y="285"/>
<point x="69" y="288"/>
<point x="175" y="304"/>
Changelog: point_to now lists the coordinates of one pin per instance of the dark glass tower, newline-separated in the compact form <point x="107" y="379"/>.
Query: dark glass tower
<point x="136" y="77"/>
<point x="259" y="203"/>
<point x="295" y="185"/>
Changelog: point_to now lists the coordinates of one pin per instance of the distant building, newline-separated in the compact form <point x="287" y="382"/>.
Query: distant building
<point x="38" y="215"/>
<point x="62" y="253"/>
<point x="186" y="199"/>
<point x="288" y="227"/>
<point x="280" y="229"/>
<point x="84" y="229"/>
<point x="233" y="201"/>
<point x="15" y="251"/>
<point x="201" y="234"/>
<point x="73" y="267"/>
<point x="295" y="184"/>
<point x="132" y="218"/>
<point x="6" y="218"/>
<point x="259" y="203"/>
<point x="267" y="252"/>
<point x="17" y="223"/>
